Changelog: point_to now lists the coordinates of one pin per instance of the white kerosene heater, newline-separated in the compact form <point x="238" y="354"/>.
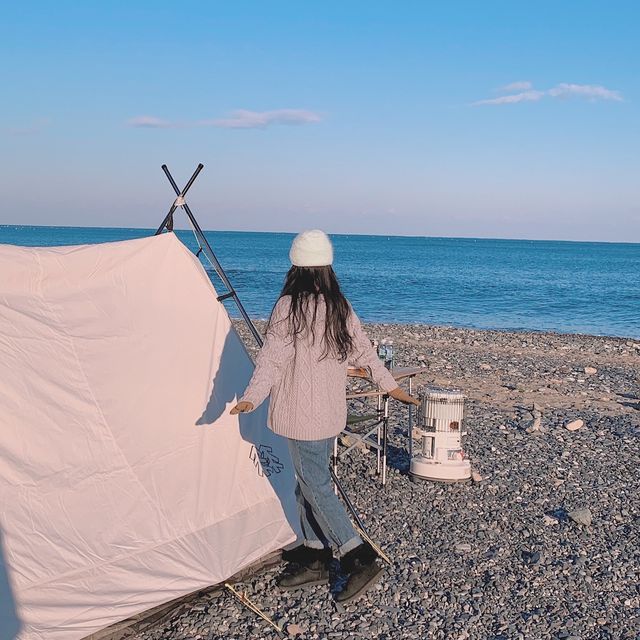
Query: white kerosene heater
<point x="435" y="445"/>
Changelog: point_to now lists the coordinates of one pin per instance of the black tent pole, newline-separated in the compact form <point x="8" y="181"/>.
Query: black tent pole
<point x="167" y="219"/>
<point x="206" y="247"/>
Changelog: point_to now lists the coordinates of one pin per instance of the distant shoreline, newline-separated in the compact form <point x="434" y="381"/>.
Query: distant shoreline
<point x="399" y="326"/>
<point x="152" y="230"/>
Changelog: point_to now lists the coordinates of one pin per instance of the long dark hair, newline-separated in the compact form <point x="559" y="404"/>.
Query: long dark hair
<point x="305" y="285"/>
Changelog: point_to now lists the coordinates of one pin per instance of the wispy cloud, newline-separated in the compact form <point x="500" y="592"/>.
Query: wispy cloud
<point x="37" y="126"/>
<point x="244" y="119"/>
<point x="524" y="96"/>
<point x="564" y="90"/>
<point x="149" y="122"/>
<point x="522" y="85"/>
<point x="240" y="119"/>
<point x="589" y="91"/>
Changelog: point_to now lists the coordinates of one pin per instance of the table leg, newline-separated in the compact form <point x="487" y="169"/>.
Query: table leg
<point x="385" y="434"/>
<point x="410" y="434"/>
<point x="334" y="462"/>
<point x="379" y="408"/>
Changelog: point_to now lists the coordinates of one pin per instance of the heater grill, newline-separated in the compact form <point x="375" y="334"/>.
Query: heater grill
<point x="439" y="455"/>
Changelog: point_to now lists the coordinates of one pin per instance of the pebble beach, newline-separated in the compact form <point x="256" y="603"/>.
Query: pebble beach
<point x="543" y="543"/>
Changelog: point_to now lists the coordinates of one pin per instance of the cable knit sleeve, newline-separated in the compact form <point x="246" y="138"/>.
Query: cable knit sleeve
<point x="276" y="352"/>
<point x="364" y="355"/>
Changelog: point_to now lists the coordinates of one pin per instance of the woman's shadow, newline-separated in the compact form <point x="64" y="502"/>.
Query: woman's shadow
<point x="9" y="622"/>
<point x="269" y="452"/>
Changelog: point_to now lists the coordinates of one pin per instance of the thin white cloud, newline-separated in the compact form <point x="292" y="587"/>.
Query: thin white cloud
<point x="563" y="90"/>
<point x="240" y="119"/>
<point x="589" y="91"/>
<point x="245" y="119"/>
<point x="524" y="96"/>
<point x="523" y="85"/>
<point x="149" y="122"/>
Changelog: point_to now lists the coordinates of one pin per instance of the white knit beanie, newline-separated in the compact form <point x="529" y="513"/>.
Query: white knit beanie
<point x="311" y="249"/>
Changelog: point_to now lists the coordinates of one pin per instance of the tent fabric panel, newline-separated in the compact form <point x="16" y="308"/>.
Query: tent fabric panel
<point x="179" y="567"/>
<point x="124" y="481"/>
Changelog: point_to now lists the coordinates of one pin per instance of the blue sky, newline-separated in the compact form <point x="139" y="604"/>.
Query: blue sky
<point x="481" y="119"/>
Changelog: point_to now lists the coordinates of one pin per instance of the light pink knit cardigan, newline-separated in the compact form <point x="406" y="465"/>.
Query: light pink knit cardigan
<point x="308" y="393"/>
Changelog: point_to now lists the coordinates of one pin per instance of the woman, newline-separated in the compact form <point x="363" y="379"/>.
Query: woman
<point x="312" y="336"/>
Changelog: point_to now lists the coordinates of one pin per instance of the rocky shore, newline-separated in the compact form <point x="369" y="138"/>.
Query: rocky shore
<point x="543" y="544"/>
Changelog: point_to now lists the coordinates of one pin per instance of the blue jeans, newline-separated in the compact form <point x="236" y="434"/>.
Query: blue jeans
<point x="324" y="520"/>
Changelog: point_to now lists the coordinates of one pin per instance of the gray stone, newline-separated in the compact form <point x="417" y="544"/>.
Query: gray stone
<point x="581" y="516"/>
<point x="574" y="425"/>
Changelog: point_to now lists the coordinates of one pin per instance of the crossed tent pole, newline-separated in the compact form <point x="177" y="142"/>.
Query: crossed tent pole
<point x="205" y="247"/>
<point x="203" y="244"/>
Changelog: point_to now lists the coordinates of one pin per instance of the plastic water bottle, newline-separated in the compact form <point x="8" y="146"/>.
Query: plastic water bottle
<point x="382" y="351"/>
<point x="389" y="356"/>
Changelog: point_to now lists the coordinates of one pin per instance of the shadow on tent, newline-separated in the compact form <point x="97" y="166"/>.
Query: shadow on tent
<point x="9" y="622"/>
<point x="266" y="444"/>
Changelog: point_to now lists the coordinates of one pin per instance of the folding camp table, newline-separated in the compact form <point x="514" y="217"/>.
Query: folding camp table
<point x="374" y="427"/>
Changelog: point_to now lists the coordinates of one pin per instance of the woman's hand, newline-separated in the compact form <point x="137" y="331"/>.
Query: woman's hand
<point x="241" y="407"/>
<point x="399" y="394"/>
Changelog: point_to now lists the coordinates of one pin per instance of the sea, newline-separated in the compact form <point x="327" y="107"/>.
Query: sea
<point x="528" y="285"/>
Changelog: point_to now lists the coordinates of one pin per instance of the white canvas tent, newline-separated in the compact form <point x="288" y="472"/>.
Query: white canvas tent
<point x="124" y="481"/>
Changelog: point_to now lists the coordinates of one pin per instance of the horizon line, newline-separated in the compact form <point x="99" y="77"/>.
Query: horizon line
<point x="294" y="233"/>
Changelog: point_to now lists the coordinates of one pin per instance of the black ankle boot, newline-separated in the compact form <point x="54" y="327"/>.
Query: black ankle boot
<point x="311" y="567"/>
<point x="296" y="554"/>
<point x="363" y="570"/>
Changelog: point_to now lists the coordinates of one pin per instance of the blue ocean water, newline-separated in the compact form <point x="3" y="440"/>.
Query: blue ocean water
<point x="571" y="287"/>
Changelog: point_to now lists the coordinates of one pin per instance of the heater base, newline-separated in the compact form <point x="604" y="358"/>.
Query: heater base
<point x="426" y="469"/>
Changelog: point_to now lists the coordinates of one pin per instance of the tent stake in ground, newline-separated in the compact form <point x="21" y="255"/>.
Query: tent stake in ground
<point x="205" y="247"/>
<point x="242" y="598"/>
